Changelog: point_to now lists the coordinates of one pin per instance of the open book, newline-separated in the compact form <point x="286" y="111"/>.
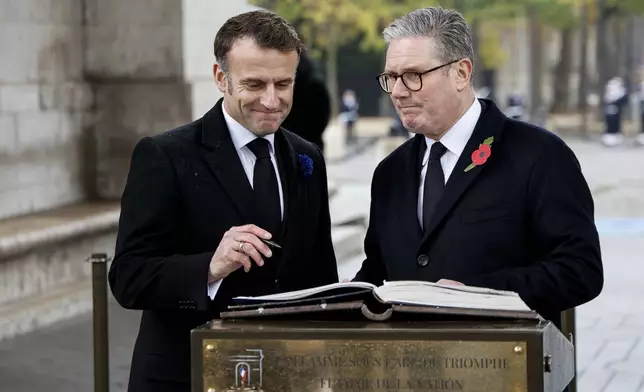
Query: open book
<point x="399" y="296"/>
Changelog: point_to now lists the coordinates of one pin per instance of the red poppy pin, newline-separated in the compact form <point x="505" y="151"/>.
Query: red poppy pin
<point x="481" y="155"/>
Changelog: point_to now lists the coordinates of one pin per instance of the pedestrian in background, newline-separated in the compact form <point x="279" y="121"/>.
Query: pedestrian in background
<point x="615" y="97"/>
<point x="515" y="105"/>
<point x="349" y="114"/>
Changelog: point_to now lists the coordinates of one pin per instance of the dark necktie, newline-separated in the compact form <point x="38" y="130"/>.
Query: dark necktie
<point x="265" y="188"/>
<point x="434" y="182"/>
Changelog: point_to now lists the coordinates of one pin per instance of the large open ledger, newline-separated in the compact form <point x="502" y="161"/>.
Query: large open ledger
<point x="379" y="302"/>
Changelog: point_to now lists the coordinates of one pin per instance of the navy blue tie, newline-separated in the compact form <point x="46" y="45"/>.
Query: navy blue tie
<point x="265" y="188"/>
<point x="434" y="182"/>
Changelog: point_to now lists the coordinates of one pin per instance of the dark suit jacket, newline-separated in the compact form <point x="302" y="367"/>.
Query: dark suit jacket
<point x="185" y="189"/>
<point x="523" y="221"/>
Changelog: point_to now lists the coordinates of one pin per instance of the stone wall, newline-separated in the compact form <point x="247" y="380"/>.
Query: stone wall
<point x="43" y="105"/>
<point x="82" y="80"/>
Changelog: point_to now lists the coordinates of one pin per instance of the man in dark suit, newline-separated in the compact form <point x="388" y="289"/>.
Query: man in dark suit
<point x="200" y="199"/>
<point x="474" y="198"/>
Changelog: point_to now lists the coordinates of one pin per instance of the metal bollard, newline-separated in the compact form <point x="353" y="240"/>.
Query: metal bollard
<point x="100" y="322"/>
<point x="568" y="329"/>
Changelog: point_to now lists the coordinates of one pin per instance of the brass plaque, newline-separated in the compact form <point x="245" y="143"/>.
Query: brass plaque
<point x="363" y="365"/>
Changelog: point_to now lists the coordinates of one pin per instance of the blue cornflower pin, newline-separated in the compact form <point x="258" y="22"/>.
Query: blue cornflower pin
<point x="306" y="165"/>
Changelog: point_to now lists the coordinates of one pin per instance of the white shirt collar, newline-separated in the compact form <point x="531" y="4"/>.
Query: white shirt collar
<point x="457" y="136"/>
<point x="242" y="136"/>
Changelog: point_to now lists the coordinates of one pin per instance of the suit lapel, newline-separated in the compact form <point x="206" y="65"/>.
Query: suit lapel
<point x="490" y="124"/>
<point x="294" y="195"/>
<point x="223" y="161"/>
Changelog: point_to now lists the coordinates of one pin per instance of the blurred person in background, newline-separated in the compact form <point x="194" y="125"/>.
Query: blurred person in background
<point x="615" y="98"/>
<point x="349" y="115"/>
<point x="311" y="109"/>
<point x="515" y="104"/>
<point x="640" y="136"/>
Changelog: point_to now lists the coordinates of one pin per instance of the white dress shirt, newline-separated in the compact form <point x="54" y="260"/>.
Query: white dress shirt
<point x="241" y="137"/>
<point x="454" y="140"/>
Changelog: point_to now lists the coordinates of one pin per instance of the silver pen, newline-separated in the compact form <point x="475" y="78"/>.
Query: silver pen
<point x="271" y="243"/>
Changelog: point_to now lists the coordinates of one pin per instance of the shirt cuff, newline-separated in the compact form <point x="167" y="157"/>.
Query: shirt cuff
<point x="213" y="288"/>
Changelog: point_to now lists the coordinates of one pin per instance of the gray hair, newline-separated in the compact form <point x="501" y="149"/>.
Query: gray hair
<point x="448" y="28"/>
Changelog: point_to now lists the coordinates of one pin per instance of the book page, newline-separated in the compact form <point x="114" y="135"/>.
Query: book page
<point x="469" y="289"/>
<point x="431" y="294"/>
<point x="299" y="294"/>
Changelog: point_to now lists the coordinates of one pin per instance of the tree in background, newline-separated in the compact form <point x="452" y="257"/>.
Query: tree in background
<point x="564" y="17"/>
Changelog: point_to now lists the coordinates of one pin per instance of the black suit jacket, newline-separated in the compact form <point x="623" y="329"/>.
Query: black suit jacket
<point x="185" y="189"/>
<point x="523" y="221"/>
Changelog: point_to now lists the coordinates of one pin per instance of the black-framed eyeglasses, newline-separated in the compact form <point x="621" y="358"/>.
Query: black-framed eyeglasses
<point x="412" y="80"/>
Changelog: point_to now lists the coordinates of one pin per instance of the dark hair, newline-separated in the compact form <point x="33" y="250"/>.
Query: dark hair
<point x="268" y="30"/>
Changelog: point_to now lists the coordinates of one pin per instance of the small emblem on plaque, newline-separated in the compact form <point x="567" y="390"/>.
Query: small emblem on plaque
<point x="246" y="371"/>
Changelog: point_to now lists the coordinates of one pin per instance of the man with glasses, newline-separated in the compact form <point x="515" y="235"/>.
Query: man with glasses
<point x="474" y="198"/>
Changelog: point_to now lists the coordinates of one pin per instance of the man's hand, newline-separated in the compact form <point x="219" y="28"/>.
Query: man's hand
<point x="448" y="282"/>
<point x="237" y="247"/>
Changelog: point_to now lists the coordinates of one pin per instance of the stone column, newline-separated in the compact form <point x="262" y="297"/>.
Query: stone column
<point x="134" y="62"/>
<point x="150" y="62"/>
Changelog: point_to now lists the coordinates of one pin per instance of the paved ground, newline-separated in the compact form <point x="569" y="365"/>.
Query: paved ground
<point x="610" y="337"/>
<point x="59" y="358"/>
